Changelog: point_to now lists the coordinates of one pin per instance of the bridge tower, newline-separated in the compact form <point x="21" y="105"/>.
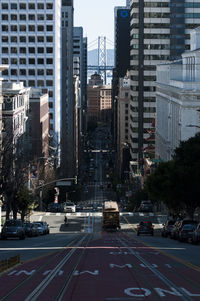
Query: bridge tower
<point x="102" y="57"/>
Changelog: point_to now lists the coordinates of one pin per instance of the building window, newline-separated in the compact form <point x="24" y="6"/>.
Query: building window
<point x="40" y="39"/>
<point x="49" y="39"/>
<point x="4" y="17"/>
<point x="13" y="27"/>
<point x="22" y="71"/>
<point x="31" y="5"/>
<point x="31" y="17"/>
<point x="40" y="83"/>
<point x="13" y="39"/>
<point x="31" y="61"/>
<point x="13" y="49"/>
<point x="13" y="17"/>
<point x="40" y="5"/>
<point x="49" y="28"/>
<point x="5" y="72"/>
<point x="13" y="6"/>
<point x="40" y="17"/>
<point x="14" y="61"/>
<point x="22" y="39"/>
<point x="31" y="50"/>
<point x="31" y="72"/>
<point x="49" y="61"/>
<point x="49" y="50"/>
<point x="49" y="83"/>
<point x="51" y="115"/>
<point x="4" y="28"/>
<point x="49" y="72"/>
<point x="49" y="17"/>
<point x="31" y="39"/>
<point x="31" y="83"/>
<point x="40" y="61"/>
<point x="40" y="72"/>
<point x="5" y="60"/>
<point x="4" y="39"/>
<point x="51" y="95"/>
<point x="22" y="28"/>
<point x="22" y="5"/>
<point x="31" y="27"/>
<point x="22" y="61"/>
<point x="49" y="6"/>
<point x="13" y="72"/>
<point x="22" y="49"/>
<point x="40" y="50"/>
<point x="4" y="6"/>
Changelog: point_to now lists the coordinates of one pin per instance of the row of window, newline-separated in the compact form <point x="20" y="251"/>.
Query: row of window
<point x="145" y="89"/>
<point x="26" y="50"/>
<point x="152" y="15"/>
<point x="25" y="5"/>
<point x="145" y="109"/>
<point x="31" y="61"/>
<point x="153" y="46"/>
<point x="5" y="28"/>
<point x="23" y="17"/>
<point x="146" y="78"/>
<point x="32" y="83"/>
<point x="151" y="57"/>
<point x="167" y="4"/>
<point x="146" y="99"/>
<point x="49" y="72"/>
<point x="24" y="39"/>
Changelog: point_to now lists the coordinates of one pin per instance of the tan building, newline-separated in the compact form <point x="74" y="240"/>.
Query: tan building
<point x="105" y="103"/>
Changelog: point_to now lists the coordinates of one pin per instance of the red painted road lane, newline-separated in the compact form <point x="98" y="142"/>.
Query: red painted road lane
<point x="43" y="266"/>
<point x="113" y="273"/>
<point x="113" y="267"/>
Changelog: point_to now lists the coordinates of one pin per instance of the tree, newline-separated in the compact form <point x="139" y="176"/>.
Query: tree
<point x="176" y="182"/>
<point x="24" y="201"/>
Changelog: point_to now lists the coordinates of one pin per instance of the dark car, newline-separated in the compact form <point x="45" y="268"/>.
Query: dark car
<point x="45" y="226"/>
<point x="167" y="227"/>
<point x="29" y="229"/>
<point x="13" y="228"/>
<point x="196" y="235"/>
<point x="185" y="234"/>
<point x="145" y="227"/>
<point x="178" y="226"/>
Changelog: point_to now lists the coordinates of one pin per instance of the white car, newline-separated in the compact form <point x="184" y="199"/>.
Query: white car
<point x="70" y="207"/>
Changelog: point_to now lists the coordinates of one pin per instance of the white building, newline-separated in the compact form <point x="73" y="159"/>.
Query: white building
<point x="30" y="36"/>
<point x="178" y="100"/>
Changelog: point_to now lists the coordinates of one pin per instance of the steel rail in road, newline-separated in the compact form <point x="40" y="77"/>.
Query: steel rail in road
<point x="38" y="290"/>
<point x="183" y="295"/>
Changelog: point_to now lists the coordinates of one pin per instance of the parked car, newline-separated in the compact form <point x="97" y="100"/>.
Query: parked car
<point x="145" y="227"/>
<point x="70" y="207"/>
<point x="167" y="227"/>
<point x="30" y="229"/>
<point x="40" y="227"/>
<point x="13" y="228"/>
<point x="178" y="226"/>
<point x="196" y="235"/>
<point x="45" y="226"/>
<point x="186" y="232"/>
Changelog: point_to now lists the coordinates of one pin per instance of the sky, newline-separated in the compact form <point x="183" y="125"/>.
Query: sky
<point x="97" y="19"/>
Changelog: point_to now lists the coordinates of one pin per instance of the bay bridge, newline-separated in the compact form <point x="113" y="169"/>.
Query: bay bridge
<point x="102" y="67"/>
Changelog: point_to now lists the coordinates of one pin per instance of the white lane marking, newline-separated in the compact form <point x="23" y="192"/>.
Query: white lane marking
<point x="128" y="265"/>
<point x="77" y="273"/>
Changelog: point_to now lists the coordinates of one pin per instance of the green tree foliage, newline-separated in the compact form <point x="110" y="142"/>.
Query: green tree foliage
<point x="24" y="201"/>
<point x="176" y="182"/>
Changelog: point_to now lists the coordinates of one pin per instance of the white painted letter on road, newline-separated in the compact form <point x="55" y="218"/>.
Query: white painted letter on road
<point x="130" y="292"/>
<point x="128" y="265"/>
<point x="95" y="273"/>
<point x="162" y="292"/>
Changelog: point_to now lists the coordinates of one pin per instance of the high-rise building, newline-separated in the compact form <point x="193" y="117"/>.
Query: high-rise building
<point x="159" y="32"/>
<point x="30" y="36"/>
<point x="68" y="102"/>
<point x="121" y="57"/>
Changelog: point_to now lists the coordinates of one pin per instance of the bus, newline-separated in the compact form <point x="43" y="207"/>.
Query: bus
<point x="111" y="217"/>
